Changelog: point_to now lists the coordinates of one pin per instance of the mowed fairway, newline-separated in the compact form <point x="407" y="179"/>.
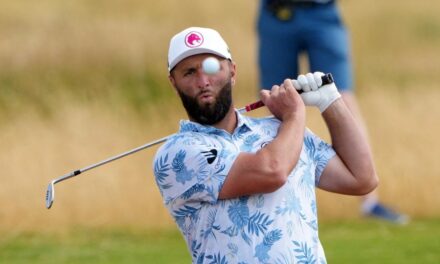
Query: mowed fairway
<point x="345" y="242"/>
<point x="81" y="81"/>
<point x="95" y="246"/>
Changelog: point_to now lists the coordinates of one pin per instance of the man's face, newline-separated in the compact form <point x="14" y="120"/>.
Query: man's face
<point x="206" y="98"/>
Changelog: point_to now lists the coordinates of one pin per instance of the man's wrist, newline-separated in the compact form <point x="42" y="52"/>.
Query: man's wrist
<point x="334" y="105"/>
<point x="330" y="97"/>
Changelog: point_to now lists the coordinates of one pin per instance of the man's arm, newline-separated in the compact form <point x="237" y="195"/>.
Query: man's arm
<point x="267" y="170"/>
<point x="351" y="171"/>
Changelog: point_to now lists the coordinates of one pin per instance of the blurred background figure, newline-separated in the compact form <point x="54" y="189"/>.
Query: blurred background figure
<point x="288" y="28"/>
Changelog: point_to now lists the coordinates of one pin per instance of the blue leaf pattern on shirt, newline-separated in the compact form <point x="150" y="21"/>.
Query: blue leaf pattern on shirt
<point x="321" y="158"/>
<point x="239" y="212"/>
<point x="182" y="214"/>
<point x="310" y="146"/>
<point x="160" y="171"/>
<point x="259" y="222"/>
<point x="248" y="143"/>
<point x="211" y="227"/>
<point x="195" y="247"/>
<point x="262" y="249"/>
<point x="200" y="259"/>
<point x="197" y="188"/>
<point x="179" y="167"/>
<point x="304" y="253"/>
<point x="233" y="247"/>
<point x="217" y="259"/>
<point x="307" y="180"/>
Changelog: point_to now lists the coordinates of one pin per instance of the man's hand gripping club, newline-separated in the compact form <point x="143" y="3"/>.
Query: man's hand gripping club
<point x="283" y="101"/>
<point x="314" y="93"/>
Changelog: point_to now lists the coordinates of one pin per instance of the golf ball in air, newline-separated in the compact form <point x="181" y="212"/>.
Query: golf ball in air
<point x="211" y="65"/>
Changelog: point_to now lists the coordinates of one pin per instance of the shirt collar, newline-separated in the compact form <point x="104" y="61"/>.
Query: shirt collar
<point x="243" y="125"/>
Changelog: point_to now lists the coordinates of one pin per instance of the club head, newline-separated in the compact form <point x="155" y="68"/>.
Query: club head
<point x="50" y="195"/>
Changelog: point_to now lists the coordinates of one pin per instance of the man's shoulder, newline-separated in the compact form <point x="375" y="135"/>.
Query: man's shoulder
<point x="187" y="141"/>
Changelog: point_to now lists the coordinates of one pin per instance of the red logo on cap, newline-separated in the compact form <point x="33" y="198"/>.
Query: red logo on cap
<point x="193" y="39"/>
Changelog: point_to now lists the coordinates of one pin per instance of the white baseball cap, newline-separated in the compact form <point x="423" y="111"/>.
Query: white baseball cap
<point x="193" y="41"/>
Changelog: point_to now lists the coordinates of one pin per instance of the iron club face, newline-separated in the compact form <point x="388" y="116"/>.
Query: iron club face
<point x="50" y="195"/>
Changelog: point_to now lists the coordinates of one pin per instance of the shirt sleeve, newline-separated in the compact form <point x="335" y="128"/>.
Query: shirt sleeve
<point x="192" y="169"/>
<point x="320" y="151"/>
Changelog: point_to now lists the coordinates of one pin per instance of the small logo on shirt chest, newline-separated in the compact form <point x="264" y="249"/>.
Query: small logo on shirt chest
<point x="210" y="155"/>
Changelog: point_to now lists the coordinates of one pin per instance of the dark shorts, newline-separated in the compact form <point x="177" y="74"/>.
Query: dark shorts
<point x="317" y="30"/>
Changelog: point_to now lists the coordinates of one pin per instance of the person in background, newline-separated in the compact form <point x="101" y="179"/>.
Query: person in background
<point x="288" y="28"/>
<point x="242" y="189"/>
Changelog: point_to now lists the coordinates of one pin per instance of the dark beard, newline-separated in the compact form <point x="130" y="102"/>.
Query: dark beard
<point x="208" y="114"/>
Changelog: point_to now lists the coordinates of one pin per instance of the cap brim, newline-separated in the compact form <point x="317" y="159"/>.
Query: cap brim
<point x="193" y="52"/>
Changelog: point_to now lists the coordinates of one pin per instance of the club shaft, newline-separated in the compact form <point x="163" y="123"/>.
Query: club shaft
<point x="158" y="141"/>
<point x="76" y="172"/>
<point x="245" y="109"/>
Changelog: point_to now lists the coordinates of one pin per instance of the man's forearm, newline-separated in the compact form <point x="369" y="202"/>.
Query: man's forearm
<point x="266" y="170"/>
<point x="349" y="142"/>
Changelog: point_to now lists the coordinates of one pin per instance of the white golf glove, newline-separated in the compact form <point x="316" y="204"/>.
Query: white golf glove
<point x="313" y="94"/>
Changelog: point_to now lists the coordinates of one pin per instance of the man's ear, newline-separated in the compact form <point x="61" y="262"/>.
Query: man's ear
<point x="172" y="81"/>
<point x="233" y="70"/>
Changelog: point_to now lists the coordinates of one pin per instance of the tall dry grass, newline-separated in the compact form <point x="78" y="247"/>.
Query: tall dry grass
<point x="89" y="42"/>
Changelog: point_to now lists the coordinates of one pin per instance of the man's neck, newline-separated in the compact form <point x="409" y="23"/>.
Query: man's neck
<point x="229" y="122"/>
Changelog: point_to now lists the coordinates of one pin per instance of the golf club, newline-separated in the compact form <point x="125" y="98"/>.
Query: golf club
<point x="50" y="193"/>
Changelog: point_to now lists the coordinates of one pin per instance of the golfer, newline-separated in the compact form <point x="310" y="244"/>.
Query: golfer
<point x="242" y="189"/>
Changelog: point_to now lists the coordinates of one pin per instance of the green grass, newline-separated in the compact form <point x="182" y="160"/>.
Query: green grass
<point x="91" y="246"/>
<point x="378" y="242"/>
<point x="344" y="242"/>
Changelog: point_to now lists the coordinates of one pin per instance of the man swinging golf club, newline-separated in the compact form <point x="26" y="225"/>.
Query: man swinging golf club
<point x="242" y="189"/>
